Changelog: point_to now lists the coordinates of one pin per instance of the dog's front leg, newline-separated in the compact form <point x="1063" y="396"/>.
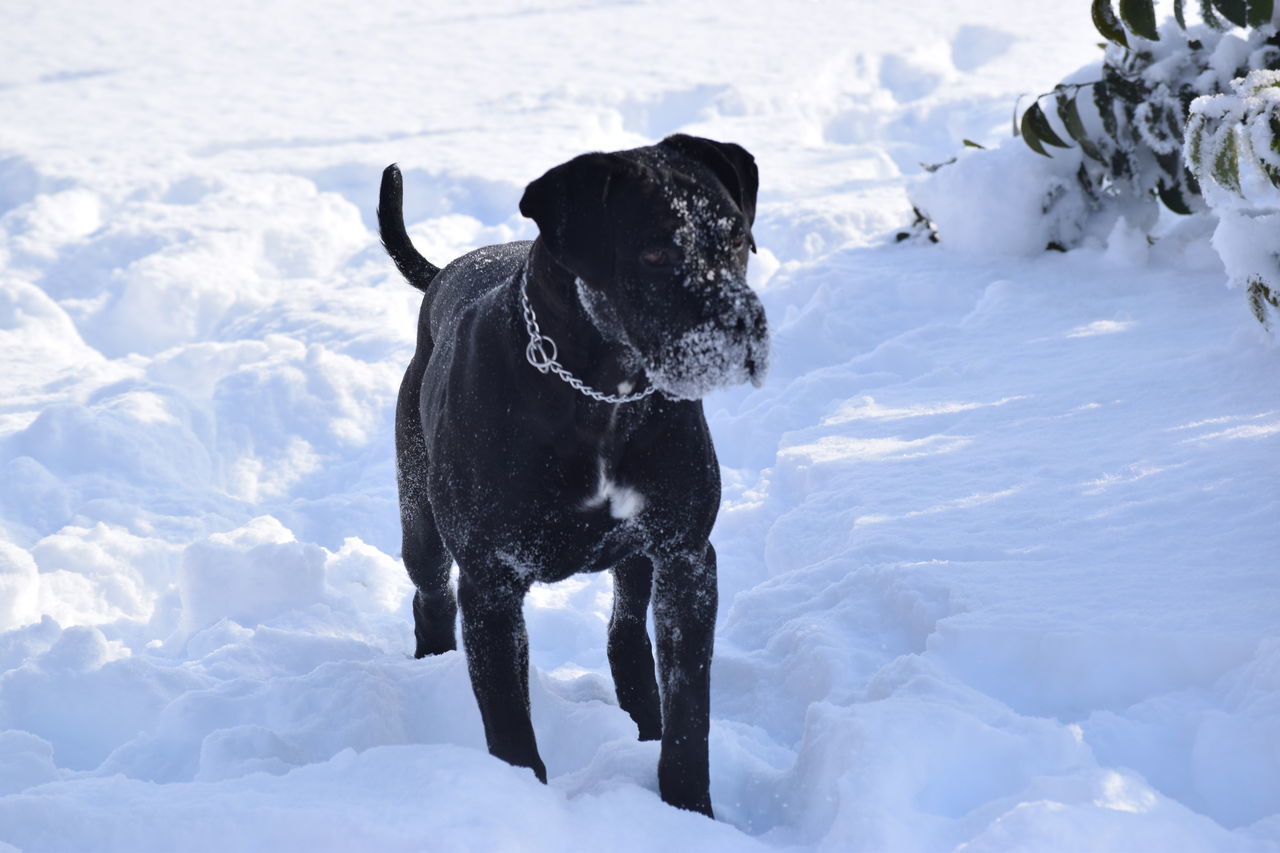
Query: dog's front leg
<point x="684" y="610"/>
<point x="497" y="647"/>
<point x="630" y="653"/>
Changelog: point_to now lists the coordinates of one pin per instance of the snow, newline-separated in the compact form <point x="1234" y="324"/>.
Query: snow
<point x="998" y="539"/>
<point x="1007" y="201"/>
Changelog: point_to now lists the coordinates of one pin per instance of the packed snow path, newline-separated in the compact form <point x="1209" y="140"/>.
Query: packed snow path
<point x="999" y="535"/>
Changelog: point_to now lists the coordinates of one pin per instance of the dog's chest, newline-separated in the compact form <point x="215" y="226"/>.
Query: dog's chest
<point x="603" y="482"/>
<point x="599" y="510"/>
<point x="585" y="530"/>
<point x="620" y="500"/>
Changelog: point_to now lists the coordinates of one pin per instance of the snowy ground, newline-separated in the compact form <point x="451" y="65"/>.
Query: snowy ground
<point x="999" y="539"/>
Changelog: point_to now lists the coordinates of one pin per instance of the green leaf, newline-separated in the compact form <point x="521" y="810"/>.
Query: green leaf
<point x="1069" y="112"/>
<point x="969" y="143"/>
<point x="1178" y="13"/>
<point x="1104" y="100"/>
<point x="1195" y="133"/>
<point x="1272" y="173"/>
<point x="1170" y="165"/>
<point x="1130" y="90"/>
<point x="1259" y="12"/>
<point x="1210" y="19"/>
<point x="1037" y="131"/>
<point x="1140" y="15"/>
<point x="1046" y="131"/>
<point x="1121" y="165"/>
<point x="1106" y="22"/>
<point x="1226" y="165"/>
<point x="1259" y="294"/>
<point x="1129" y="127"/>
<point x="1233" y="10"/>
<point x="1172" y="198"/>
<point x="1029" y="137"/>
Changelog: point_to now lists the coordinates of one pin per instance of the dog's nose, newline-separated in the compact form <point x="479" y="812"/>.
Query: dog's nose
<point x="751" y="322"/>
<point x="745" y="318"/>
<point x="757" y="343"/>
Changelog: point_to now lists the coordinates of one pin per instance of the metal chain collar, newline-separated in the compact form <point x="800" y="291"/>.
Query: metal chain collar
<point x="542" y="353"/>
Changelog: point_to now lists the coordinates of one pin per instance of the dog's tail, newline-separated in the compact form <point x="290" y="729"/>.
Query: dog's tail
<point x="416" y="269"/>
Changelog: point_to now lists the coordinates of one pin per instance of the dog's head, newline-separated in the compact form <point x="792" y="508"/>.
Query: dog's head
<point x="658" y="239"/>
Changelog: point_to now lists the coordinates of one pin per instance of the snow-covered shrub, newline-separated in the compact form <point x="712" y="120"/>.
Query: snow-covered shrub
<point x="1127" y="115"/>
<point x="1233" y="149"/>
<point x="1007" y="201"/>
<point x="1115" y="140"/>
<point x="1115" y="128"/>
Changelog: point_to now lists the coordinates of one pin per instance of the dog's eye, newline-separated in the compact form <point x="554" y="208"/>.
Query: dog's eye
<point x="657" y="257"/>
<point x="739" y="241"/>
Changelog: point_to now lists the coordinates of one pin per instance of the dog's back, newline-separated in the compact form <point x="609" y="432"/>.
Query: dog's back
<point x="465" y="280"/>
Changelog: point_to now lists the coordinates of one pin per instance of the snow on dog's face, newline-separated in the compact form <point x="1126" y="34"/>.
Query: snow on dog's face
<point x="658" y="239"/>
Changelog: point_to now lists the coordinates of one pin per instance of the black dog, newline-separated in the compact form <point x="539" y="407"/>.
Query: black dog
<point x="531" y="445"/>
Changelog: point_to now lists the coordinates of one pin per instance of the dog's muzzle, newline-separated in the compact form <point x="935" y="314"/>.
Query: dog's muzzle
<point x="727" y="350"/>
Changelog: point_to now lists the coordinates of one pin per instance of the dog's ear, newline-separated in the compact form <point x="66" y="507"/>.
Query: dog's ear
<point x="731" y="163"/>
<point x="568" y="204"/>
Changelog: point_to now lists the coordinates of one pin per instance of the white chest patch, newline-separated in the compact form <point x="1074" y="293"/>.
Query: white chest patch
<point x="624" y="502"/>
